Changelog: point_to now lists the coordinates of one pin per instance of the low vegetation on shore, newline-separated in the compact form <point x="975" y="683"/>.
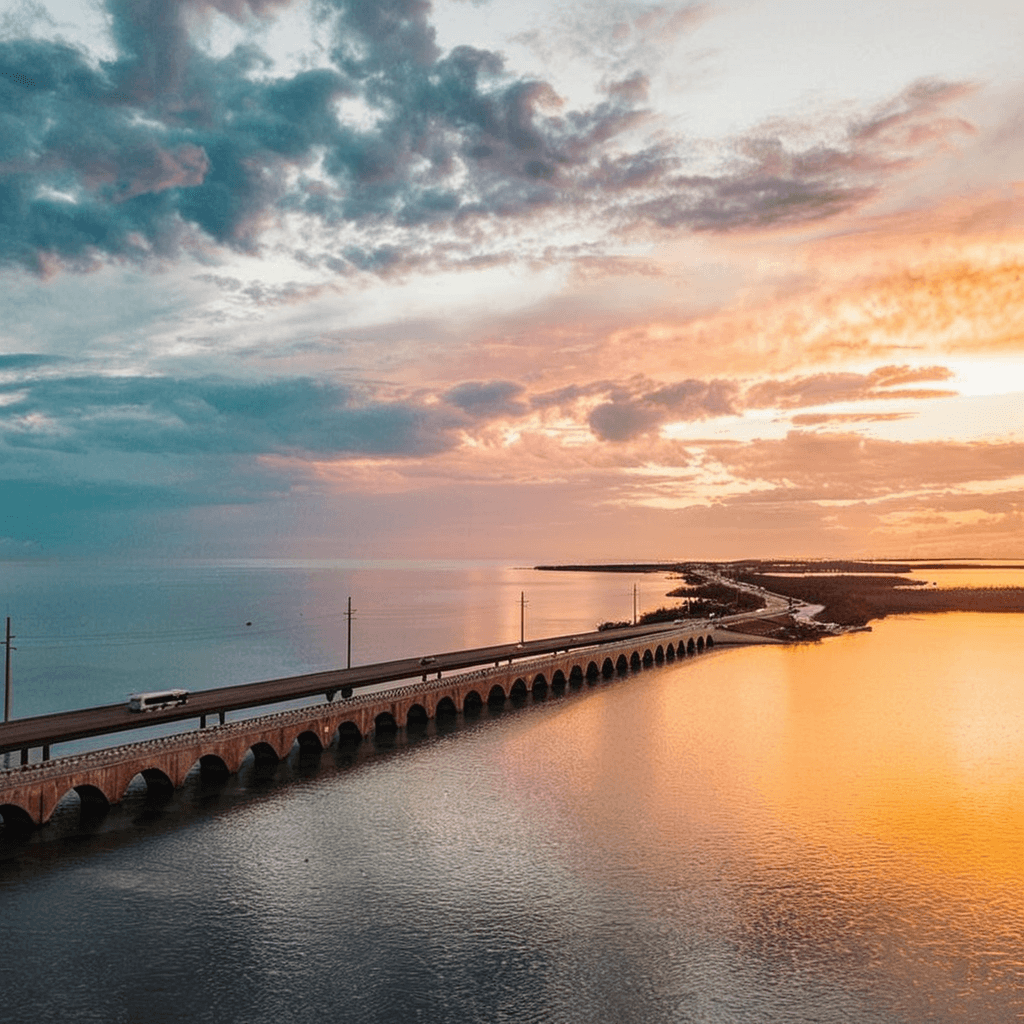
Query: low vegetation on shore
<point x="700" y="602"/>
<point x="852" y="592"/>
<point x="854" y="600"/>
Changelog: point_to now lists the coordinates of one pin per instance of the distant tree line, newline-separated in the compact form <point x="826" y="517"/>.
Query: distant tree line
<point x="854" y="600"/>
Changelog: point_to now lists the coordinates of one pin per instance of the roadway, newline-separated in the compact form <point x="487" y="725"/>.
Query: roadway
<point x="45" y="730"/>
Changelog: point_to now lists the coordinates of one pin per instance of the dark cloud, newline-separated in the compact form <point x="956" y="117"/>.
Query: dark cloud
<point x="634" y="88"/>
<point x="26" y="361"/>
<point x="642" y="409"/>
<point x="124" y="157"/>
<point x="164" y="145"/>
<point x="567" y="395"/>
<point x="622" y="421"/>
<point x="160" y="415"/>
<point x="487" y="399"/>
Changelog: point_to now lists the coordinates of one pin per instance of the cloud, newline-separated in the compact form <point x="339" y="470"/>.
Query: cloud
<point x="25" y="361"/>
<point x="487" y="399"/>
<point x="123" y="158"/>
<point x="830" y="418"/>
<point x="771" y="179"/>
<point x="164" y="146"/>
<point x="827" y="388"/>
<point x="640" y="407"/>
<point x="628" y="416"/>
<point x="850" y="467"/>
<point x="211" y="416"/>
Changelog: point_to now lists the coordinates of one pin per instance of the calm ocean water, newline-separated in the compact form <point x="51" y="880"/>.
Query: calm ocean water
<point x="829" y="832"/>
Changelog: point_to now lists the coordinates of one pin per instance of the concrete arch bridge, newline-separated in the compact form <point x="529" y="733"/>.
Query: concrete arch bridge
<point x="30" y="793"/>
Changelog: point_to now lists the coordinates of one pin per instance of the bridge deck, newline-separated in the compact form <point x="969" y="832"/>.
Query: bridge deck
<point x="46" y="730"/>
<point x="29" y="793"/>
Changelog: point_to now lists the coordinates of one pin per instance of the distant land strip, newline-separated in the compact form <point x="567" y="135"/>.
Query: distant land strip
<point x="855" y="600"/>
<point x="853" y="593"/>
<point x="777" y="565"/>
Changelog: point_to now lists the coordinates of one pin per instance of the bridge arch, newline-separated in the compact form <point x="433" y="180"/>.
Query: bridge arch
<point x="213" y="769"/>
<point x="691" y="647"/>
<point x="445" y="708"/>
<point x="416" y="717"/>
<point x="540" y="685"/>
<point x="670" y="652"/>
<point x="608" y="666"/>
<point x="385" y="724"/>
<point x="348" y="733"/>
<point x="518" y="690"/>
<point x="648" y="658"/>
<point x="95" y="803"/>
<point x="558" y="681"/>
<point x="88" y="803"/>
<point x="659" y="654"/>
<point x="576" y="675"/>
<point x="700" y="644"/>
<point x="622" y="665"/>
<point x="159" y="785"/>
<point x="14" y="820"/>
<point x="709" y="641"/>
<point x="496" y="697"/>
<point x="263" y="754"/>
<point x="472" y="703"/>
<point x="309" y="742"/>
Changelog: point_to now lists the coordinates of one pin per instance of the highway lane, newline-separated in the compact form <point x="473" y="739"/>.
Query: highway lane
<point x="26" y="733"/>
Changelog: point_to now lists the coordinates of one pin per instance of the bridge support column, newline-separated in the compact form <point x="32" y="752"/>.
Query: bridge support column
<point x="202" y="721"/>
<point x="24" y="756"/>
<point x="221" y="713"/>
<point x="46" y="751"/>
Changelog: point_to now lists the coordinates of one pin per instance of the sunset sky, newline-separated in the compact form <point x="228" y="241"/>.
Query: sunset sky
<point x="579" y="281"/>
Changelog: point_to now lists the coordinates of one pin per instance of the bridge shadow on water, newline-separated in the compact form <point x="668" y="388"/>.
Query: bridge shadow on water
<point x="84" y="824"/>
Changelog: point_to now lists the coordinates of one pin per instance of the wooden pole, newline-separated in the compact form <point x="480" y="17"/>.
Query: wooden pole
<point x="7" y="672"/>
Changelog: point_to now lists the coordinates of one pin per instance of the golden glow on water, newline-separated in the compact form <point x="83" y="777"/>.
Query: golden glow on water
<point x="856" y="804"/>
<point x="913" y="738"/>
<point x="946" y="579"/>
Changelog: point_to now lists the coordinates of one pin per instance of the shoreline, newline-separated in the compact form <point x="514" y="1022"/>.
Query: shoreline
<point x="852" y="593"/>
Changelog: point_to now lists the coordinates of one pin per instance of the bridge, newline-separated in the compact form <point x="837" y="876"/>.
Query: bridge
<point x="29" y="793"/>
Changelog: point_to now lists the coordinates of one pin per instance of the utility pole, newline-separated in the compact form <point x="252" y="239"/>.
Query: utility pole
<point x="522" y="616"/>
<point x="7" y="671"/>
<point x="348" y="615"/>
